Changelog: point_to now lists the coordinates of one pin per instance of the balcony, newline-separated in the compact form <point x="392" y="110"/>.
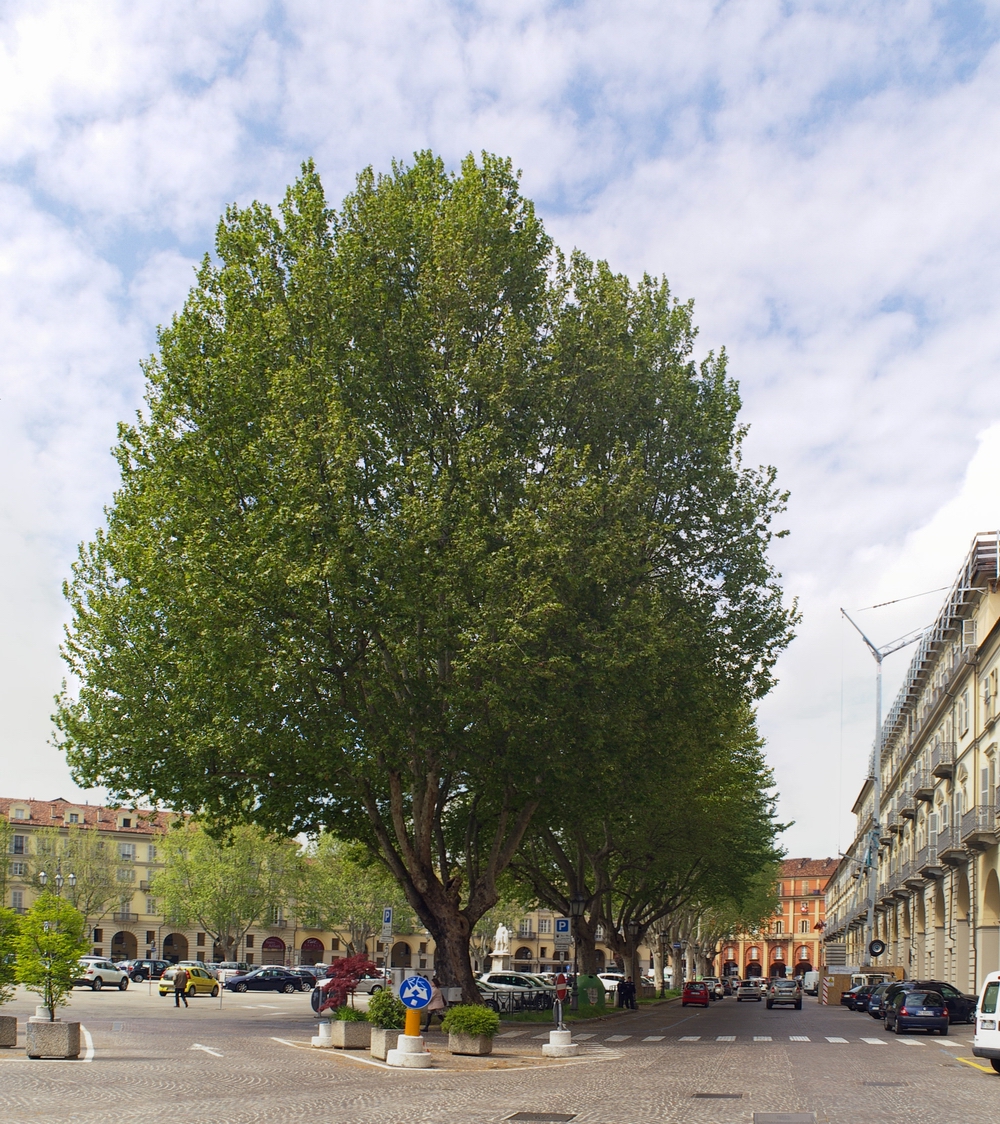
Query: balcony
<point x="907" y="805"/>
<point x="979" y="828"/>
<point x="277" y="923"/>
<point x="893" y="823"/>
<point x="922" y="785"/>
<point x="126" y="917"/>
<point x="928" y="863"/>
<point x="906" y="875"/>
<point x="949" y="845"/>
<point x="144" y="884"/>
<point x="943" y="759"/>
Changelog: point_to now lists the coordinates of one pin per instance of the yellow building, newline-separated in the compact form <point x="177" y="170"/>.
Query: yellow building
<point x="933" y="874"/>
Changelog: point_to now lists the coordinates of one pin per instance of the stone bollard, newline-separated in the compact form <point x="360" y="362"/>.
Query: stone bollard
<point x="561" y="1045"/>
<point x="324" y="1040"/>
<point x="409" y="1053"/>
<point x="8" y="1030"/>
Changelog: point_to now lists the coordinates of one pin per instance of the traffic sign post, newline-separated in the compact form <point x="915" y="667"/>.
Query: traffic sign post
<point x="387" y="927"/>
<point x="415" y="993"/>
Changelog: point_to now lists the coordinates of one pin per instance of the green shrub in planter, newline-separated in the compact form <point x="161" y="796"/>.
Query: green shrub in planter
<point x="349" y="1015"/>
<point x="386" y="1011"/>
<point x="472" y="1019"/>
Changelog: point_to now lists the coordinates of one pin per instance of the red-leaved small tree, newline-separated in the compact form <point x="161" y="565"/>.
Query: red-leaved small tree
<point x="342" y="978"/>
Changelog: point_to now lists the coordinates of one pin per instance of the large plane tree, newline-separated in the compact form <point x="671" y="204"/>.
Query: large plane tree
<point x="416" y="518"/>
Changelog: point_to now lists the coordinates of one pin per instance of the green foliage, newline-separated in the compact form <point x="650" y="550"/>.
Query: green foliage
<point x="8" y="935"/>
<point x="91" y="859"/>
<point x="421" y="528"/>
<point x="225" y="885"/>
<point x="386" y="1010"/>
<point x="50" y="940"/>
<point x="471" y="1018"/>
<point x="347" y="1014"/>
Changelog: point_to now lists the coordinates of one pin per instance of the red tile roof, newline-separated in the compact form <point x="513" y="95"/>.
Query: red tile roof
<point x="808" y="868"/>
<point x="46" y="813"/>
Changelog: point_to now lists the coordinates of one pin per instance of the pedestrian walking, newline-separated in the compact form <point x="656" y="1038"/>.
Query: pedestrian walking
<point x="180" y="986"/>
<point x="436" y="1005"/>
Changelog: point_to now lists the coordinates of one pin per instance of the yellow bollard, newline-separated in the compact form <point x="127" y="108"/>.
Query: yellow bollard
<point x="412" y="1025"/>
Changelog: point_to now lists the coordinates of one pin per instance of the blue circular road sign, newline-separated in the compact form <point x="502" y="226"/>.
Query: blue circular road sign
<point x="415" y="992"/>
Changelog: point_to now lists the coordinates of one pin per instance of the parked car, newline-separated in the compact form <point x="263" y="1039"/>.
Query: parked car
<point x="98" y="973"/>
<point x="514" y="979"/>
<point x="917" y="1009"/>
<point x="489" y="994"/>
<point x="223" y="969"/>
<point x="611" y="980"/>
<point x="308" y="978"/>
<point x="139" y="970"/>
<point x="847" y="997"/>
<point x="210" y="969"/>
<point x="875" y="1008"/>
<point x="749" y="991"/>
<point x="860" y="1000"/>
<point x="728" y="986"/>
<point x="199" y="981"/>
<point x="784" y="992"/>
<point x="370" y="985"/>
<point x="696" y="993"/>
<point x="986" y="1040"/>
<point x="267" y="979"/>
<point x="961" y="1008"/>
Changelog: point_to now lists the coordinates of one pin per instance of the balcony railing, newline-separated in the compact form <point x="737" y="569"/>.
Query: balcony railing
<point x="979" y="827"/>
<point x="922" y="785"/>
<point x="144" y="884"/>
<point x="277" y="923"/>
<point x="949" y="845"/>
<point x="943" y="759"/>
<point x="124" y="916"/>
<point x="907" y="807"/>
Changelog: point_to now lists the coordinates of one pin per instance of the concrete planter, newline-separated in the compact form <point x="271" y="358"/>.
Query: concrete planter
<point x="52" y="1040"/>
<point x="478" y="1045"/>
<point x="383" y="1041"/>
<point x="8" y="1030"/>
<point x="351" y="1036"/>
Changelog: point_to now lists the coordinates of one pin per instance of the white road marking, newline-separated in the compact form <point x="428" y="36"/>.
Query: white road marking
<point x="285" y="1042"/>
<point x="829" y="1039"/>
<point x="618" y="1038"/>
<point x="762" y="1038"/>
<point x="267" y="1006"/>
<point x="725" y="1038"/>
<point x="88" y="1055"/>
<point x="690" y="1037"/>
<point x="798" y="1038"/>
<point x="512" y="1034"/>
<point x="874" y="1041"/>
<point x="578" y="1037"/>
<point x="207" y="1049"/>
<point x="541" y="1037"/>
<point x="654" y="1038"/>
<point x="909" y="1042"/>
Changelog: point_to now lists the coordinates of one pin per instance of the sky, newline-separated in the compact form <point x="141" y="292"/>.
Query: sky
<point x="821" y="178"/>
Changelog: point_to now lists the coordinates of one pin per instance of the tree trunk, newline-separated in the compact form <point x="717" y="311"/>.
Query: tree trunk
<point x="584" y="929"/>
<point x="452" y="960"/>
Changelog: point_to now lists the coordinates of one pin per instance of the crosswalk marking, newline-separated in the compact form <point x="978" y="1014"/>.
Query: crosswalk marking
<point x="829" y="1039"/>
<point x="690" y="1037"/>
<point x="798" y="1038"/>
<point x="725" y="1038"/>
<point x="512" y="1034"/>
<point x="874" y="1041"/>
<point x="582" y="1037"/>
<point x="618" y="1038"/>
<point x="541" y="1037"/>
<point x="654" y="1038"/>
<point x="909" y="1042"/>
<point x="762" y="1038"/>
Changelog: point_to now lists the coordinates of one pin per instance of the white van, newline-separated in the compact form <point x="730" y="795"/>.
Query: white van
<point x="810" y="983"/>
<point x="986" y="1042"/>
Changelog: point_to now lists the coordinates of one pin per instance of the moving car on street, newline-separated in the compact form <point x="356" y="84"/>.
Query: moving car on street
<point x="749" y="991"/>
<point x="139" y="970"/>
<point x="695" y="994"/>
<point x="917" y="1010"/>
<point x="783" y="992"/>
<point x="714" y="985"/>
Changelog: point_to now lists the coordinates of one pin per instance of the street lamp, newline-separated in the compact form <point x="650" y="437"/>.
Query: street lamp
<point x="872" y="856"/>
<point x="43" y="878"/>
<point x="577" y="908"/>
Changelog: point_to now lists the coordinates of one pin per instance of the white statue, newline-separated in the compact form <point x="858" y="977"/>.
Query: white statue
<point x="501" y="941"/>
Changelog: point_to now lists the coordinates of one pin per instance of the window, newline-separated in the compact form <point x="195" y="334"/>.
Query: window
<point x="963" y="713"/>
<point x="334" y="944"/>
<point x="779" y="927"/>
<point x="803" y="926"/>
<point x="249" y="957"/>
<point x="150" y="934"/>
<point x="524" y="927"/>
<point x="249" y="944"/>
<point x="17" y="900"/>
<point x="19" y="814"/>
<point x="19" y="870"/>
<point x="151" y="854"/>
<point x="599" y="933"/>
<point x="200" y="940"/>
<point x="98" y="936"/>
<point x="127" y="822"/>
<point x="126" y="852"/>
<point x="74" y="817"/>
<point x="989" y="1006"/>
<point x="545" y="924"/>
<point x="17" y="845"/>
<point x="423" y="948"/>
<point x="126" y="874"/>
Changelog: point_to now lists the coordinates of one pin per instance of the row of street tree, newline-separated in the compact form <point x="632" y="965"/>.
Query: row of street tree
<point x="439" y="543"/>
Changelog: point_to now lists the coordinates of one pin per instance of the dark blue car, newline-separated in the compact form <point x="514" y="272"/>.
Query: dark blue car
<point x="267" y="979"/>
<point x="913" y="1010"/>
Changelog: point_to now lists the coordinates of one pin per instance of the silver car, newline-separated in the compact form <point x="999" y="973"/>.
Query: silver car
<point x="369" y="985"/>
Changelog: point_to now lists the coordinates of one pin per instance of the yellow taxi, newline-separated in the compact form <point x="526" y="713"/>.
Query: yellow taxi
<point x="199" y="981"/>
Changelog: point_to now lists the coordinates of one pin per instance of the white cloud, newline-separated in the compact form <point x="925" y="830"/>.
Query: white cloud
<point x="819" y="177"/>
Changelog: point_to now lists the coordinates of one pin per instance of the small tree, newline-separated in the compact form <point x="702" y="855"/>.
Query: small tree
<point x="8" y="934"/>
<point x="49" y="943"/>
<point x="342" y="979"/>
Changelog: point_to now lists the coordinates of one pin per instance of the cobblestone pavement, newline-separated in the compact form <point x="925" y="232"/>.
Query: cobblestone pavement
<point x="251" y="1061"/>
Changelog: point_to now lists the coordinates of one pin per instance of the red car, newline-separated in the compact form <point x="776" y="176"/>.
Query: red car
<point x="697" y="993"/>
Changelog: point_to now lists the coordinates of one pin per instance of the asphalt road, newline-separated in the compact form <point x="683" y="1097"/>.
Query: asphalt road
<point x="251" y="1061"/>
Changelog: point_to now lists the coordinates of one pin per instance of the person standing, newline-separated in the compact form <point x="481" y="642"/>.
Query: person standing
<point x="436" y="1005"/>
<point x="180" y="986"/>
<point x="630" y="994"/>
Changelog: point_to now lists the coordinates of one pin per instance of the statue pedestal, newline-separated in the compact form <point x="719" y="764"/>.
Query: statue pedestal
<point x="501" y="962"/>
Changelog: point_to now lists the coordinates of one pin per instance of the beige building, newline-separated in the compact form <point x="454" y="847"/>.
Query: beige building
<point x="935" y="883"/>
